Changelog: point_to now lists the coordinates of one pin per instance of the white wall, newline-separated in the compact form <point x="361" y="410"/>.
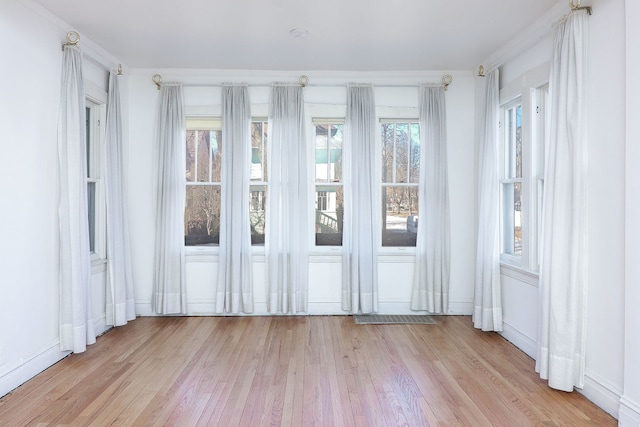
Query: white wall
<point x="30" y="87"/>
<point x="630" y="402"/>
<point x="606" y="180"/>
<point x="395" y="268"/>
<point x="30" y="41"/>
<point x="606" y="208"/>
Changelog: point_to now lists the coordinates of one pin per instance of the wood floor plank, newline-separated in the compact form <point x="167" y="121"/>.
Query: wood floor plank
<point x="295" y="371"/>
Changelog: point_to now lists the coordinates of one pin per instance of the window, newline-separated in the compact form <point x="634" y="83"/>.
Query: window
<point x="95" y="114"/>
<point x="400" y="180"/>
<point x="259" y="180"/>
<point x="329" y="187"/>
<point x="511" y="182"/>
<point x="323" y="200"/>
<point x="523" y="127"/>
<point x="540" y="100"/>
<point x="203" y="181"/>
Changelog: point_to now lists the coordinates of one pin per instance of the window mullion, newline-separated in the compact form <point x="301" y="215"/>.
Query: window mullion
<point x="409" y="154"/>
<point x="210" y="154"/>
<point x="393" y="163"/>
<point x="327" y="179"/>
<point x="263" y="151"/>
<point x="195" y="153"/>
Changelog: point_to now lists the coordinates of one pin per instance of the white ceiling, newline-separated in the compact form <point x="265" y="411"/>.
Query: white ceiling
<point x="344" y="35"/>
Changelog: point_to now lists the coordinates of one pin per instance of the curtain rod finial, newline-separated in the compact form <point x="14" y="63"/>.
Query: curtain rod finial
<point x="157" y="79"/>
<point x="446" y="81"/>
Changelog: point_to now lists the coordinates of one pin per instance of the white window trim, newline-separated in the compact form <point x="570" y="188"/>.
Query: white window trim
<point x="201" y="117"/>
<point x="516" y="260"/>
<point x="96" y="100"/>
<point x="387" y="115"/>
<point x="526" y="89"/>
<point x="202" y="120"/>
<point x="313" y="247"/>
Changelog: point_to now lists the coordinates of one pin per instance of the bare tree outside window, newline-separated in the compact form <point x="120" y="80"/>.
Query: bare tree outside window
<point x="203" y="195"/>
<point x="400" y="177"/>
<point x="203" y="180"/>
<point x="259" y="179"/>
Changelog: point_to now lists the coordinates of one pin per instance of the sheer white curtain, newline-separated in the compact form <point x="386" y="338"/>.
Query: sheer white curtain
<point x="361" y="232"/>
<point x="563" y="278"/>
<point x="431" y="276"/>
<point x="76" y="319"/>
<point x="287" y="222"/>
<point x="169" y="290"/>
<point x="487" y="311"/>
<point x="235" y="288"/>
<point x="120" y="299"/>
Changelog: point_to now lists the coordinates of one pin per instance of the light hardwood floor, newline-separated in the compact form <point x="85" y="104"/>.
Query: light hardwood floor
<point x="295" y="371"/>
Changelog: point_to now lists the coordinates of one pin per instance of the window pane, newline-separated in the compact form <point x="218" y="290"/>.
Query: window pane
<point x="215" y="137"/>
<point x="257" y="210"/>
<point x="191" y="155"/>
<point x="387" y="134"/>
<point x="335" y="153"/>
<point x="91" y="204"/>
<point x="402" y="152"/>
<point x="414" y="172"/>
<point x="517" y="218"/>
<point x="328" y="153"/>
<point x="513" y="157"/>
<point x="88" y="141"/>
<point x="258" y="151"/>
<point x="399" y="215"/>
<point x="322" y="148"/>
<point x="202" y="156"/>
<point x="512" y="218"/>
<point x="329" y="215"/>
<point x="202" y="215"/>
<point x="518" y="141"/>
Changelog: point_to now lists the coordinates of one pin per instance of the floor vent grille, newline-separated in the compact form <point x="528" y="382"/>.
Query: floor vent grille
<point x="388" y="319"/>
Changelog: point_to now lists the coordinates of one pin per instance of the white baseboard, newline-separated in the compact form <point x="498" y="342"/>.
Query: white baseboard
<point x="22" y="373"/>
<point x="319" y="308"/>
<point x="38" y="362"/>
<point x="595" y="388"/>
<point x="100" y="325"/>
<point x="629" y="415"/>
<point x="603" y="394"/>
<point x="520" y="340"/>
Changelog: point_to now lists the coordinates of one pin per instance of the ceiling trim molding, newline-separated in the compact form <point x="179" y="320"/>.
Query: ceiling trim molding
<point x="93" y="51"/>
<point x="527" y="38"/>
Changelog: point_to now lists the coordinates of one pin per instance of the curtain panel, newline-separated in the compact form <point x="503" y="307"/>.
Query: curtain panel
<point x="120" y="298"/>
<point x="487" y="310"/>
<point x="563" y="278"/>
<point x="169" y="292"/>
<point x="361" y="233"/>
<point x="235" y="287"/>
<point x="287" y="206"/>
<point x="76" y="319"/>
<point x="431" y="277"/>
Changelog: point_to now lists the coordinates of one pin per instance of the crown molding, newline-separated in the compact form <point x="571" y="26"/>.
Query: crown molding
<point x="527" y="37"/>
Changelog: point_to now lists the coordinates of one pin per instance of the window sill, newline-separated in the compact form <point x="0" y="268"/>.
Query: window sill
<point x="316" y="255"/>
<point x="98" y="265"/>
<point x="522" y="274"/>
<point x="397" y="250"/>
<point x="210" y="254"/>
